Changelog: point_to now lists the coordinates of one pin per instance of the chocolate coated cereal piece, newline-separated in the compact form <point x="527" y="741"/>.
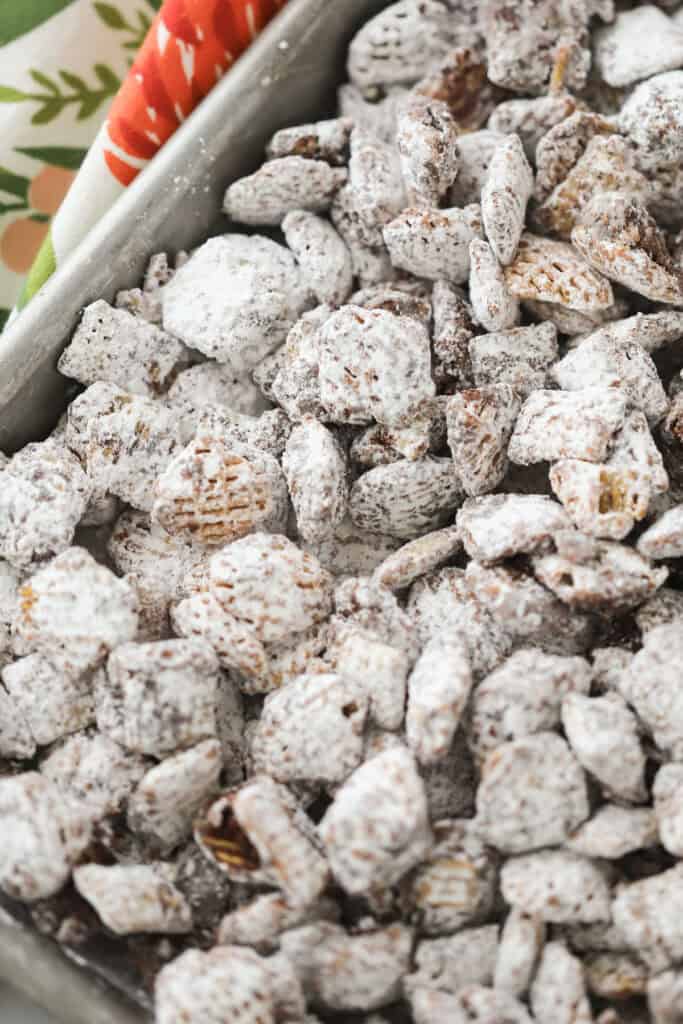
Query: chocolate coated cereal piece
<point x="653" y="119"/>
<point x="166" y="800"/>
<point x="530" y="119"/>
<point x="519" y="357"/>
<point x="323" y="140"/>
<point x="351" y="551"/>
<point x="312" y="729"/>
<point x="563" y="146"/>
<point x="452" y="330"/>
<point x="376" y="185"/>
<point x="603" y="733"/>
<point x="417" y="557"/>
<point x="406" y="498"/>
<point x="257" y="836"/>
<point x="260" y="922"/>
<point x="563" y="424"/>
<point x="438" y="691"/>
<point x="601" y="501"/>
<point x="280" y="186"/>
<point x="373" y="365"/>
<point x="75" y="611"/>
<point x="664" y="539"/>
<point x="405" y="296"/>
<point x="635" y="452"/>
<point x="619" y="54"/>
<point x="562" y="887"/>
<point x="53" y="702"/>
<point x="434" y="243"/>
<point x="454" y="886"/>
<point x="44" y="832"/>
<point x="550" y="271"/>
<point x="663" y="609"/>
<point x="369" y="257"/>
<point x="649" y="916"/>
<point x="667" y="791"/>
<point x="618" y="237"/>
<point x="558" y="992"/>
<point x="475" y="1004"/>
<point x="499" y="526"/>
<point x="321" y="254"/>
<point x="212" y="383"/>
<point x="448" y="964"/>
<point x="377" y="828"/>
<point x="295" y="385"/>
<point x="158" y="697"/>
<point x="235" y="644"/>
<point x="373" y="114"/>
<point x="133" y="898"/>
<point x="379" y="670"/>
<point x="506" y="192"/>
<point x="480" y="422"/>
<point x="96" y="772"/>
<point x="523" y="696"/>
<point x="368" y="606"/>
<point x="651" y="330"/>
<point x="665" y="997"/>
<point x="493" y="305"/>
<point x="236" y="298"/>
<point x="532" y="793"/>
<point x="16" y="739"/>
<point x="43" y="495"/>
<point x="265" y="581"/>
<point x="380" y="446"/>
<point x="427" y="142"/>
<point x="112" y="345"/>
<point x="615" y="831"/>
<point x="316" y="473"/>
<point x="521" y="942"/>
<point x="476" y="150"/>
<point x="610" y="576"/>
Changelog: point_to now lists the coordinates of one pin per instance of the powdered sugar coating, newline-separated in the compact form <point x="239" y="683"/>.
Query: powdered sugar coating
<point x="447" y="965"/>
<point x="664" y="539"/>
<point x="502" y="525"/>
<point x="434" y="243"/>
<point x="561" y="424"/>
<point x="426" y="139"/>
<point x="520" y="357"/>
<point x="438" y="691"/>
<point x="558" y="992"/>
<point x="615" y="831"/>
<point x="509" y="186"/>
<point x="316" y="472"/>
<point x="417" y="557"/>
<point x="212" y="383"/>
<point x="133" y="899"/>
<point x="93" y="770"/>
<point x="521" y="942"/>
<point x="284" y="184"/>
<point x="480" y="422"/>
<point x="603" y="733"/>
<point x="321" y="254"/>
<point x="52" y="701"/>
<point x="406" y="498"/>
<point x="493" y="304"/>
<point x="322" y="140"/>
<point x="562" y="887"/>
<point x="647" y="914"/>
<point x="550" y="271"/>
<point x="377" y="668"/>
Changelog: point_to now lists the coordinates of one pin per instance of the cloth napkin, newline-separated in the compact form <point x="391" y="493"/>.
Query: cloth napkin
<point x="89" y="91"/>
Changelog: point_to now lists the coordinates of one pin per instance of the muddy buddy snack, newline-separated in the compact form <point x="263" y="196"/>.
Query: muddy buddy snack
<point x="341" y="617"/>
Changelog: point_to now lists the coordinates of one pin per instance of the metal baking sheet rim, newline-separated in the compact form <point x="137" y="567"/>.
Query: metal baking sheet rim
<point x="284" y="78"/>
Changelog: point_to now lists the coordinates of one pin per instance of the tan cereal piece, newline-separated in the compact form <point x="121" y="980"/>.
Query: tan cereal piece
<point x="667" y="791"/>
<point x="569" y="322"/>
<point x="451" y="333"/>
<point x="615" y="831"/>
<point x="52" y="701"/>
<point x="650" y="330"/>
<point x="607" y="165"/>
<point x="558" y="992"/>
<point x="519" y="357"/>
<point x="455" y="885"/>
<point x="618" y="237"/>
<point x="611" y="576"/>
<point x="460" y="81"/>
<point x="497" y="526"/>
<point x="312" y="729"/>
<point x="531" y="118"/>
<point x="96" y="772"/>
<point x="44" y="834"/>
<point x="527" y="612"/>
<point x="493" y="305"/>
<point x="651" y="684"/>
<point x="550" y="271"/>
<point x="112" y="345"/>
<point x="260" y="922"/>
<point x="603" y="733"/>
<point x="406" y="498"/>
<point x="620" y="56"/>
<point x="168" y="797"/>
<point x="373" y="365"/>
<point x="316" y="473"/>
<point x="401" y="42"/>
<point x="563" y="146"/>
<point x="521" y="942"/>
<point x="235" y="644"/>
<point x="269" y="431"/>
<point x="475" y="1004"/>
<point x="133" y="898"/>
<point x="434" y="243"/>
<point x="649" y="915"/>
<point x="508" y="187"/>
<point x="321" y="254"/>
<point x="280" y="186"/>
<point x="598" y="361"/>
<point x="241" y="323"/>
<point x="601" y="500"/>
<point x="75" y="611"/>
<point x="634" y="450"/>
<point x="438" y="691"/>
<point x="125" y="441"/>
<point x="651" y="116"/>
<point x="379" y="670"/>
<point x="158" y="697"/>
<point x="418" y="557"/>
<point x="265" y="581"/>
<point x="216" y="986"/>
<point x="44" y="494"/>
<point x="476" y="150"/>
<point x="16" y="739"/>
<point x="567" y="424"/>
<point x="377" y="828"/>
<point x="664" y="539"/>
<point x="448" y="964"/>
<point x="480" y="422"/>
<point x="427" y="142"/>
<point x="254" y="835"/>
<point x="532" y="793"/>
<point x="212" y="383"/>
<point x="665" y="997"/>
<point x="562" y="887"/>
<point x="349" y="972"/>
<point x="523" y="696"/>
<point x="322" y="140"/>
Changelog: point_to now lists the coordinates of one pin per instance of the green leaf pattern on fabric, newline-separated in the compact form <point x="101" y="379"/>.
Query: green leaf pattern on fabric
<point x="68" y="157"/>
<point x="72" y="90"/>
<point x="16" y="19"/>
<point x="113" y="18"/>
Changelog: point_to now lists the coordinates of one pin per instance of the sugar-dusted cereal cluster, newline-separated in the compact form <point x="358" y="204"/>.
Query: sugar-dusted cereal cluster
<point x="341" y="617"/>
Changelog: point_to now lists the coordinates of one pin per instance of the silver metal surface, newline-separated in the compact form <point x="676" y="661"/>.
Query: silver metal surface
<point x="286" y="77"/>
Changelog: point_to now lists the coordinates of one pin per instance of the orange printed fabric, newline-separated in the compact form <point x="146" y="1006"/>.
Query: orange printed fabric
<point x="190" y="45"/>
